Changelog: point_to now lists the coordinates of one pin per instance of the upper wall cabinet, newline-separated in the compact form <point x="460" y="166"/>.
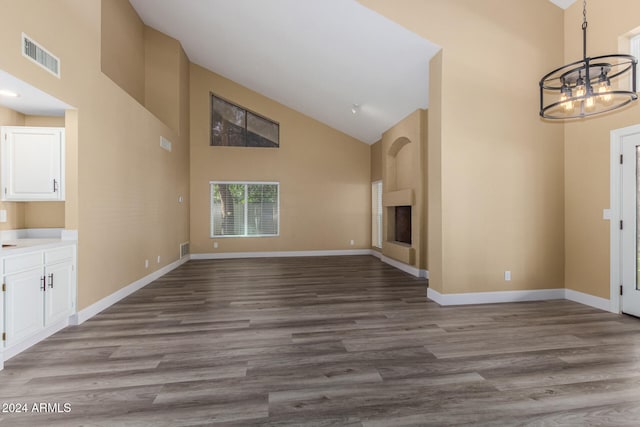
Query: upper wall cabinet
<point x="32" y="163"/>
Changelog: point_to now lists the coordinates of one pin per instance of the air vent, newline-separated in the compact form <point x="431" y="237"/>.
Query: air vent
<point x="40" y="55"/>
<point x="184" y="249"/>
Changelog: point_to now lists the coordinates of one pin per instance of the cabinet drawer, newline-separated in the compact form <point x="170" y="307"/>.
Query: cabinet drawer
<point x="59" y="254"/>
<point x="22" y="262"/>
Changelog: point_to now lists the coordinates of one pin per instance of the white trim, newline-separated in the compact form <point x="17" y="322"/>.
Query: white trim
<point x="32" y="233"/>
<point x="281" y="254"/>
<point x="615" y="262"/>
<point x="586" y="299"/>
<point x="34" y="339"/>
<point x="69" y="235"/>
<point x="106" y="302"/>
<point x="495" y="297"/>
<point x="401" y="266"/>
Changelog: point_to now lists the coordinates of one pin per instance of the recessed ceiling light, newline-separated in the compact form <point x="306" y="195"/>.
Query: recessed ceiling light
<point x="8" y="93"/>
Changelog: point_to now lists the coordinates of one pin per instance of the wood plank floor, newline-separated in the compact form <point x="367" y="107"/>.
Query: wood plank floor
<point x="344" y="341"/>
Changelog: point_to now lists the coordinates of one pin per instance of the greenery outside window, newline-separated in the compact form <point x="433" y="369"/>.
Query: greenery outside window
<point x="234" y="126"/>
<point x="245" y="209"/>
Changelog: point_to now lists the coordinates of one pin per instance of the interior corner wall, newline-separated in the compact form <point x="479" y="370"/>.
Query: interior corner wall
<point x="122" y="47"/>
<point x="434" y="174"/>
<point x="162" y="76"/>
<point x="587" y="151"/>
<point x="501" y="205"/>
<point x="124" y="197"/>
<point x="324" y="175"/>
<point x="376" y="161"/>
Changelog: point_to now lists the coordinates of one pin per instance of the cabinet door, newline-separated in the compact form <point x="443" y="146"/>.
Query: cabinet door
<point x="23" y="302"/>
<point x="58" y="298"/>
<point x="32" y="163"/>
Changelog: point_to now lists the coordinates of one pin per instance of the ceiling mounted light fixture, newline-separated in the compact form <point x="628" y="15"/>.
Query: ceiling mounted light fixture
<point x="355" y="109"/>
<point x="589" y="86"/>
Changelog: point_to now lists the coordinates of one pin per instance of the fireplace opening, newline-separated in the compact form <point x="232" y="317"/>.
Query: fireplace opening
<point x="403" y="224"/>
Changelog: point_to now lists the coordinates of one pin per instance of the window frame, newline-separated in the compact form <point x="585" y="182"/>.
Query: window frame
<point x="246" y="206"/>
<point x="213" y="96"/>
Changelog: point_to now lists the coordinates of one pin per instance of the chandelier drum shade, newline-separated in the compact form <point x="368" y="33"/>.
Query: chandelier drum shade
<point x="590" y="86"/>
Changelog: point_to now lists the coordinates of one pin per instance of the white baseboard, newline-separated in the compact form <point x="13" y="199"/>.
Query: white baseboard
<point x="106" y="302"/>
<point x="494" y="297"/>
<point x="401" y="266"/>
<point x="36" y="338"/>
<point x="586" y="299"/>
<point x="281" y="254"/>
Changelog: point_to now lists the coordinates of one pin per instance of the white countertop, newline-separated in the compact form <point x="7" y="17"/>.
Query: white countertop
<point x="28" y="245"/>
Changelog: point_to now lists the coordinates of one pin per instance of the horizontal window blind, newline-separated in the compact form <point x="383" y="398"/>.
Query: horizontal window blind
<point x="245" y="209"/>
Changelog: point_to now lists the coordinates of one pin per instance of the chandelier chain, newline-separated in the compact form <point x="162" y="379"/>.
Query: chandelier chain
<point x="584" y="14"/>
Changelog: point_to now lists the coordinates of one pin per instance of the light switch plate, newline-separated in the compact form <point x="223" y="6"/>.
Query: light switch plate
<point x="606" y="214"/>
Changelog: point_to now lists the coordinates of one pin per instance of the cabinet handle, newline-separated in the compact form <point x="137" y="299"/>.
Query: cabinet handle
<point x="51" y="280"/>
<point x="43" y="285"/>
<point x="55" y="185"/>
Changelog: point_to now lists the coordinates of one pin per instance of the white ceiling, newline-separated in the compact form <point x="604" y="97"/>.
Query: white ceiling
<point x="318" y="57"/>
<point x="31" y="101"/>
<point x="563" y="3"/>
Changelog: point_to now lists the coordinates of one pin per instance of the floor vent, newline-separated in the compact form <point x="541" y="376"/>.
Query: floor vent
<point x="40" y="55"/>
<point x="184" y="250"/>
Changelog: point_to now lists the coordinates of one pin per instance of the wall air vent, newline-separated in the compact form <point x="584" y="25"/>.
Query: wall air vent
<point x="184" y="250"/>
<point x="40" y="55"/>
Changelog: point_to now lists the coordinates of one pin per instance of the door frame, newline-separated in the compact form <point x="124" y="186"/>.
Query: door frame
<point x="617" y="136"/>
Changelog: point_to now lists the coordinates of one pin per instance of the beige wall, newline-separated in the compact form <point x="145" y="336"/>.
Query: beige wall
<point x="325" y="186"/>
<point x="162" y="66"/>
<point x="376" y="161"/>
<point x="124" y="198"/>
<point x="497" y="191"/>
<point x="587" y="156"/>
<point x="123" y="47"/>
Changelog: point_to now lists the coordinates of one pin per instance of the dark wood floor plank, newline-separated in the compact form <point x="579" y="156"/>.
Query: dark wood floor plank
<point x="327" y="341"/>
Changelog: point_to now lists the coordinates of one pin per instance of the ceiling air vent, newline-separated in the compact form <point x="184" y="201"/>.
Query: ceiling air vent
<point x="40" y="55"/>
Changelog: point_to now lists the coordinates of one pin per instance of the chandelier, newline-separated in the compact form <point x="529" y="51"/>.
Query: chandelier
<point x="589" y="86"/>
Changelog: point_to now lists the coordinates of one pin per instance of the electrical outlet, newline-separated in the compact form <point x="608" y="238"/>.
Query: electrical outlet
<point x="3" y="215"/>
<point x="146" y="263"/>
<point x="158" y="259"/>
<point x="507" y="276"/>
<point x="352" y="242"/>
<point x="215" y="245"/>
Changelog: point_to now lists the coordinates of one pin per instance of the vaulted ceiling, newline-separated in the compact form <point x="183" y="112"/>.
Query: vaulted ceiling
<point x="319" y="57"/>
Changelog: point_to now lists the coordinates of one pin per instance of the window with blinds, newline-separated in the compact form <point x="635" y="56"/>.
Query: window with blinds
<point x="245" y="209"/>
<point x="234" y="126"/>
<point x="376" y="214"/>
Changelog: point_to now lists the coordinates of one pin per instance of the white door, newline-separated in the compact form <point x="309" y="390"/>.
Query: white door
<point x="58" y="297"/>
<point x="32" y="163"/>
<point x="23" y="301"/>
<point x="629" y="216"/>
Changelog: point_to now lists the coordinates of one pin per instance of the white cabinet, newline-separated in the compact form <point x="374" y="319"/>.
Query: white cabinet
<point x="58" y="301"/>
<point x="32" y="163"/>
<point x="23" y="296"/>
<point x="39" y="292"/>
